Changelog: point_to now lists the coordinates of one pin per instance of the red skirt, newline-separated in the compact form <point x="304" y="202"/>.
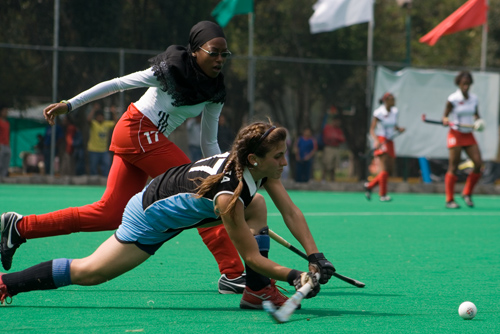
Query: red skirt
<point x="460" y="139"/>
<point x="386" y="146"/>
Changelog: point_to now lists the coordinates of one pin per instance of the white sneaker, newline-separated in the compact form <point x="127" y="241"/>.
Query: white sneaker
<point x="385" y="198"/>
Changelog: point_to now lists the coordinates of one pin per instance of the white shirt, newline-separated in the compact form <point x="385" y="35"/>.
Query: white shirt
<point x="156" y="105"/>
<point x="387" y="121"/>
<point x="463" y="110"/>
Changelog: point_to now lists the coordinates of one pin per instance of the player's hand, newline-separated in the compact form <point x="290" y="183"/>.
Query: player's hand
<point x="304" y="279"/>
<point x="318" y="263"/>
<point x="54" y="110"/>
<point x="401" y="130"/>
<point x="446" y="121"/>
<point x="479" y="125"/>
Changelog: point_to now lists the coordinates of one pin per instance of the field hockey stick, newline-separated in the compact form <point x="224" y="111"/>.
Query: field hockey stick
<point x="431" y="121"/>
<point x="286" y="310"/>
<point x="370" y="152"/>
<point x="297" y="251"/>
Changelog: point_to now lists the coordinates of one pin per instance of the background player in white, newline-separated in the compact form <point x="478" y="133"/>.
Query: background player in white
<point x="223" y="187"/>
<point x="383" y="128"/>
<point x="462" y="108"/>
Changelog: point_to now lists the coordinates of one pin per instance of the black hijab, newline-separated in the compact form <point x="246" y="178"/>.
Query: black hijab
<point x="180" y="75"/>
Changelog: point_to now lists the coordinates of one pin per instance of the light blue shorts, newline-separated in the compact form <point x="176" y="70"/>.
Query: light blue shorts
<point x="136" y="229"/>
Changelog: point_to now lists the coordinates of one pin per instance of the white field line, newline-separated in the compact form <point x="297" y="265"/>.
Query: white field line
<point x="336" y="214"/>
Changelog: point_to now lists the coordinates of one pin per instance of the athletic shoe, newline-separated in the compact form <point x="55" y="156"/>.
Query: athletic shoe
<point x="468" y="201"/>
<point x="452" y="205"/>
<point x="4" y="293"/>
<point x="368" y="191"/>
<point x="10" y="238"/>
<point x="253" y="299"/>
<point x="385" y="198"/>
<point x="232" y="286"/>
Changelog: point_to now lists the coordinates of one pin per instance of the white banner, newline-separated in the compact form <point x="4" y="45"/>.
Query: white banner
<point x="334" y="14"/>
<point x="420" y="92"/>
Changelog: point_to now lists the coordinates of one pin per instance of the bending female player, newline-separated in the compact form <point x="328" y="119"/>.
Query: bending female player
<point x="462" y="108"/>
<point x="383" y="128"/>
<point x="183" y="82"/>
<point x="223" y="186"/>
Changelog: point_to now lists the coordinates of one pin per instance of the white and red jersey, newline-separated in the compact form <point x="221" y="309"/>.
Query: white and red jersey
<point x="387" y="121"/>
<point x="157" y="106"/>
<point x="463" y="110"/>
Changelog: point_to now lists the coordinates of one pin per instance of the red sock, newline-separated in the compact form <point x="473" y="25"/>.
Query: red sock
<point x="55" y="223"/>
<point x="223" y="250"/>
<point x="383" y="183"/>
<point x="470" y="183"/>
<point x="449" y="185"/>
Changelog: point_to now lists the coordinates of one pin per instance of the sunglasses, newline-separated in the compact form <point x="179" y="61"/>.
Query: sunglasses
<point x="224" y="54"/>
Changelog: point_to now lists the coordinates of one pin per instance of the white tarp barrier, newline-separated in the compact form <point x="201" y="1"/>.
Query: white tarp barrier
<point x="420" y="92"/>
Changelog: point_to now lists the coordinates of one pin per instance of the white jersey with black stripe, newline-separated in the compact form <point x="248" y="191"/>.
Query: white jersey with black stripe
<point x="156" y="105"/>
<point x="169" y="201"/>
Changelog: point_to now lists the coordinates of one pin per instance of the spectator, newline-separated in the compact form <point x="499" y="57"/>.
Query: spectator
<point x="305" y="149"/>
<point x="67" y="159"/>
<point x="79" y="152"/>
<point x="194" y="138"/>
<point x="333" y="137"/>
<point x="5" y="151"/>
<point x="225" y="135"/>
<point x="47" y="141"/>
<point x="99" y="133"/>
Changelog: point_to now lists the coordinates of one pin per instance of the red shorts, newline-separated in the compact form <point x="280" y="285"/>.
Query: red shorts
<point x="135" y="133"/>
<point x="460" y="139"/>
<point x="386" y="146"/>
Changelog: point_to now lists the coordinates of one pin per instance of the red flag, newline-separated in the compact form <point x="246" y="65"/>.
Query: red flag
<point x="469" y="15"/>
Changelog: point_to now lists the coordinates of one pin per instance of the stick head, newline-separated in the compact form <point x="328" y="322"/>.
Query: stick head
<point x="270" y="309"/>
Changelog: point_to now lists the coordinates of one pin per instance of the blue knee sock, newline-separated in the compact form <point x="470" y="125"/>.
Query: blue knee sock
<point x="256" y="281"/>
<point x="44" y="276"/>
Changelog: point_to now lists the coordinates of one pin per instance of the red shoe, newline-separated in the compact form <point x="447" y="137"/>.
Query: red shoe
<point x="4" y="293"/>
<point x="253" y="299"/>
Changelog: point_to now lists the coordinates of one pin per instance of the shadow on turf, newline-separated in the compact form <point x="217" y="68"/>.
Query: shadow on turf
<point x="304" y="313"/>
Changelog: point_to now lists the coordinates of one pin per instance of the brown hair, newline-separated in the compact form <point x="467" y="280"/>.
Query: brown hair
<point x="250" y="140"/>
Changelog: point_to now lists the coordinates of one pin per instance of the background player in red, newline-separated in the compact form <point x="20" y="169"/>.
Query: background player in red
<point x="383" y="128"/>
<point x="182" y="82"/>
<point x="219" y="189"/>
<point x="462" y="108"/>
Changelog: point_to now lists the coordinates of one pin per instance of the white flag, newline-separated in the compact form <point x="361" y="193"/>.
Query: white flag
<point x="334" y="14"/>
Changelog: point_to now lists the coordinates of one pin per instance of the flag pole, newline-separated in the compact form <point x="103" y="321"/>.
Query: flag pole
<point x="484" y="42"/>
<point x="251" y="68"/>
<point x="369" y="79"/>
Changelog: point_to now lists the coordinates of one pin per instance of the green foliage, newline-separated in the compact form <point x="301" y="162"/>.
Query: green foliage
<point x="298" y="75"/>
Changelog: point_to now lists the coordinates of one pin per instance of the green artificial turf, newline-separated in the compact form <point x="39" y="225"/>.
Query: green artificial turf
<point x="419" y="262"/>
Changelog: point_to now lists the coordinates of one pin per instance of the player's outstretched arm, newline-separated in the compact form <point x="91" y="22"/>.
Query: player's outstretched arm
<point x="243" y="239"/>
<point x="296" y="222"/>
<point x="292" y="215"/>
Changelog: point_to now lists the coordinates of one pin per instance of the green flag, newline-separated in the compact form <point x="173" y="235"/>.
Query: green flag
<point x="226" y="9"/>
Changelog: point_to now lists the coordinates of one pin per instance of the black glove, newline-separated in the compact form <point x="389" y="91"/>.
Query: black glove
<point x="305" y="278"/>
<point x="324" y="267"/>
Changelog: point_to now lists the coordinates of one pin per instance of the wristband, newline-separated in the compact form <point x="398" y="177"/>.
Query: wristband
<point x="70" y="107"/>
<point x="292" y="275"/>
